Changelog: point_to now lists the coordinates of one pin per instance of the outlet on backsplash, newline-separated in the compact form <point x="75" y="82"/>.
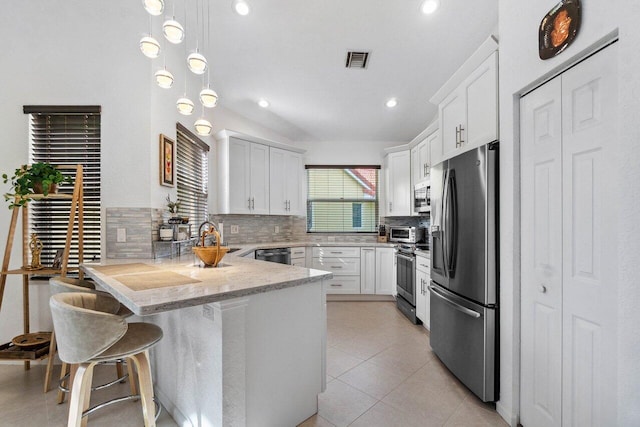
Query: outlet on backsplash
<point x="234" y="229"/>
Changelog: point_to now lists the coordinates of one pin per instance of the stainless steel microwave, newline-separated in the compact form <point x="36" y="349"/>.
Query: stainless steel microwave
<point x="422" y="197"/>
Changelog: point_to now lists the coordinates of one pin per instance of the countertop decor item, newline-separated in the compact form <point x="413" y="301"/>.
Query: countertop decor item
<point x="210" y="255"/>
<point x="37" y="178"/>
<point x="559" y="28"/>
<point x="173" y="206"/>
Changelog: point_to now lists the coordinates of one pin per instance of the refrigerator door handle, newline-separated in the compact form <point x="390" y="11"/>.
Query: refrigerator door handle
<point x="445" y="225"/>
<point x="452" y="225"/>
<point x="455" y="305"/>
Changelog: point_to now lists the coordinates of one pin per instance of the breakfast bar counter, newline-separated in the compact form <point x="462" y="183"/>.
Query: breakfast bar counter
<point x="244" y="343"/>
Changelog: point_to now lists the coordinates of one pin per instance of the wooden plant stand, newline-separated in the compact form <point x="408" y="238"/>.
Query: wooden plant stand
<point x="76" y="211"/>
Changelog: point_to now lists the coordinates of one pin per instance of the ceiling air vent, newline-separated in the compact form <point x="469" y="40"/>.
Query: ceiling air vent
<point x="357" y="59"/>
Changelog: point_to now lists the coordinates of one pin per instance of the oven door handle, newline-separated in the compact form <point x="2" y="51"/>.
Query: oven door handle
<point x="454" y="304"/>
<point x="408" y="258"/>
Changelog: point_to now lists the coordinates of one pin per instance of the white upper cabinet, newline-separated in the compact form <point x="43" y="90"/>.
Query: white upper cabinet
<point x="421" y="160"/>
<point x="399" y="183"/>
<point x="286" y="182"/>
<point x="257" y="176"/>
<point x="468" y="110"/>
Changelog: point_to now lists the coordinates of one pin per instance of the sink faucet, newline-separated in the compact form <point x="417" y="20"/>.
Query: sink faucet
<point x="205" y="233"/>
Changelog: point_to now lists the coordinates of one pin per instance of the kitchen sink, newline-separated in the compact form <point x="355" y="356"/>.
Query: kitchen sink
<point x="231" y="250"/>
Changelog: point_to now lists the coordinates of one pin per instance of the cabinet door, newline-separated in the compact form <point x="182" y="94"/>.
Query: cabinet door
<point x="277" y="181"/>
<point x="416" y="172"/>
<point x="367" y="270"/>
<point x="259" y="179"/>
<point x="435" y="151"/>
<point x="399" y="199"/>
<point x="294" y="184"/>
<point x="451" y="117"/>
<point x="481" y="90"/>
<point x="385" y="272"/>
<point x="239" y="176"/>
<point x="421" y="296"/>
<point x="424" y="155"/>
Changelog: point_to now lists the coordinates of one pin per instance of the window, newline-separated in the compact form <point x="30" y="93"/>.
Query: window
<point x="66" y="135"/>
<point x="342" y="199"/>
<point x="192" y="170"/>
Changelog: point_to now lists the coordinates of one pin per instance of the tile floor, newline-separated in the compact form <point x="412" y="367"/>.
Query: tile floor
<point x="381" y="372"/>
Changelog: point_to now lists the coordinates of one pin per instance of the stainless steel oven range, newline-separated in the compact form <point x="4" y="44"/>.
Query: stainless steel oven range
<point x="406" y="270"/>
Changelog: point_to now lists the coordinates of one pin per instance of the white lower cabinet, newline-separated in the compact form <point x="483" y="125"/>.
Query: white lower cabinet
<point x="423" y="278"/>
<point x="299" y="256"/>
<point x="367" y="270"/>
<point x="344" y="263"/>
<point x="385" y="273"/>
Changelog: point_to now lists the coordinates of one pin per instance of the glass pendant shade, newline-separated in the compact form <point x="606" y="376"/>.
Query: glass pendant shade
<point x="197" y="63"/>
<point x="150" y="47"/>
<point x="164" y="78"/>
<point x="154" y="7"/>
<point x="185" y="106"/>
<point x="203" y="126"/>
<point x="173" y="31"/>
<point x="208" y="97"/>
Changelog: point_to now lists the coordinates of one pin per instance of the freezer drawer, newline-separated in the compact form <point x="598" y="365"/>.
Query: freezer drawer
<point x="463" y="337"/>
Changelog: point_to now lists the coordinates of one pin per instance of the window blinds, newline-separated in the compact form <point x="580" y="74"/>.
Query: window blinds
<point x="342" y="199"/>
<point x="192" y="170"/>
<point x="66" y="135"/>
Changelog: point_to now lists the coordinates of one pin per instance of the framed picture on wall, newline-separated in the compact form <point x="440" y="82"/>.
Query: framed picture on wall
<point x="167" y="161"/>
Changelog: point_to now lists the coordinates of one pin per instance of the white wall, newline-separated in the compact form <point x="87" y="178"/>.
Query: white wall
<point x="521" y="69"/>
<point x="347" y="152"/>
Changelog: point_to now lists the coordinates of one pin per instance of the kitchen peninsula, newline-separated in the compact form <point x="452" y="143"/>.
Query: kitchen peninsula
<point x="244" y="343"/>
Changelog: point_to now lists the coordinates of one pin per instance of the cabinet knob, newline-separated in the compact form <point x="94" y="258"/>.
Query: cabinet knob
<point x="542" y="289"/>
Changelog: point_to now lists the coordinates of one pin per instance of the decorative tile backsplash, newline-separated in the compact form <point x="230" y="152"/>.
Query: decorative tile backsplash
<point x="137" y="223"/>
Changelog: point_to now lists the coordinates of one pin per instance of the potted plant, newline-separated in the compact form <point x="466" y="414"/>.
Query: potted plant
<point x="173" y="206"/>
<point x="37" y="178"/>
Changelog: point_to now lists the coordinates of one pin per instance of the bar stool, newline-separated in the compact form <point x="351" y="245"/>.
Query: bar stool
<point x="87" y="337"/>
<point x="109" y="304"/>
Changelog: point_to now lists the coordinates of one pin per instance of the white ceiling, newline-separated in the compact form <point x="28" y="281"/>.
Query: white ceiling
<point x="292" y="52"/>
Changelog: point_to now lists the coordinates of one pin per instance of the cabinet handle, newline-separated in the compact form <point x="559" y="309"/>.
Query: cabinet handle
<point x="428" y="168"/>
<point x="461" y="140"/>
<point x="249" y="203"/>
<point x="390" y="206"/>
<point x="336" y="266"/>
<point x="336" y="253"/>
<point x="253" y="203"/>
<point x="424" y="265"/>
<point x="336" y="285"/>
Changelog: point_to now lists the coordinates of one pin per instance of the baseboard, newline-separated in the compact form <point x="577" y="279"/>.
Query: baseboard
<point x="176" y="414"/>
<point x="359" y="297"/>
<point x="505" y="413"/>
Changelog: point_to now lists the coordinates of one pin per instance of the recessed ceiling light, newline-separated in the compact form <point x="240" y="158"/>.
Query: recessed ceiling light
<point x="392" y="103"/>
<point x="430" y="6"/>
<point x="241" y="7"/>
<point x="263" y="103"/>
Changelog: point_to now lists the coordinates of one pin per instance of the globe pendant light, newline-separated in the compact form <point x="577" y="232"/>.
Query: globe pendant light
<point x="430" y="6"/>
<point x="241" y="7"/>
<point x="185" y="106"/>
<point x="208" y="97"/>
<point x="197" y="63"/>
<point x="164" y="78"/>
<point x="173" y="31"/>
<point x="154" y="7"/>
<point x="203" y="126"/>
<point x="150" y="47"/>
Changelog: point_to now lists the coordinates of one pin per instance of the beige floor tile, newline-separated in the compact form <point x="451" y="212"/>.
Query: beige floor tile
<point x="363" y="346"/>
<point x="316" y="421"/>
<point x="383" y="415"/>
<point x="342" y="404"/>
<point x="375" y="380"/>
<point x="339" y="362"/>
<point x="474" y="413"/>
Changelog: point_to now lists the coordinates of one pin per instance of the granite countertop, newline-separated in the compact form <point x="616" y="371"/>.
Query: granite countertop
<point x="245" y="248"/>
<point x="153" y="286"/>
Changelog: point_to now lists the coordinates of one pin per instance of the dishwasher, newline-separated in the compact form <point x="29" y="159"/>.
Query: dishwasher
<point x="280" y="255"/>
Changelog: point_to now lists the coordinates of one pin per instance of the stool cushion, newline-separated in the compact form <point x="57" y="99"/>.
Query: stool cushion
<point x="139" y="337"/>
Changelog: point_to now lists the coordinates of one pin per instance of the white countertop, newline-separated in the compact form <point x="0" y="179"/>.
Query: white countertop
<point x="235" y="277"/>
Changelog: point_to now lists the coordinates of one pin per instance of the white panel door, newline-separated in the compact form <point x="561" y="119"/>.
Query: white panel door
<point x="481" y="90"/>
<point x="367" y="270"/>
<point x="589" y="100"/>
<point x="451" y="116"/>
<point x="425" y="157"/>
<point x="385" y="271"/>
<point x="541" y="257"/>
<point x="259" y="179"/>
<point x="399" y="197"/>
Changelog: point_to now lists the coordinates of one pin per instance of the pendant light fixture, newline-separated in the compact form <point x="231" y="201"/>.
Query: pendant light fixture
<point x="154" y="7"/>
<point x="241" y="7"/>
<point x="164" y="78"/>
<point x="173" y="31"/>
<point x="208" y="96"/>
<point x="203" y="126"/>
<point x="185" y="106"/>
<point x="196" y="61"/>
<point x="150" y="47"/>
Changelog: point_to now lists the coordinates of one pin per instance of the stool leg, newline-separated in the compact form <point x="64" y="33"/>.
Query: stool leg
<point x="63" y="372"/>
<point x="119" y="371"/>
<point x="80" y="395"/>
<point x="52" y="356"/>
<point x="141" y="361"/>
<point x="132" y="377"/>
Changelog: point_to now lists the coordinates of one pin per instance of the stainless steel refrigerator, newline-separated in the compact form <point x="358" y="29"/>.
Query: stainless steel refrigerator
<point x="464" y="304"/>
